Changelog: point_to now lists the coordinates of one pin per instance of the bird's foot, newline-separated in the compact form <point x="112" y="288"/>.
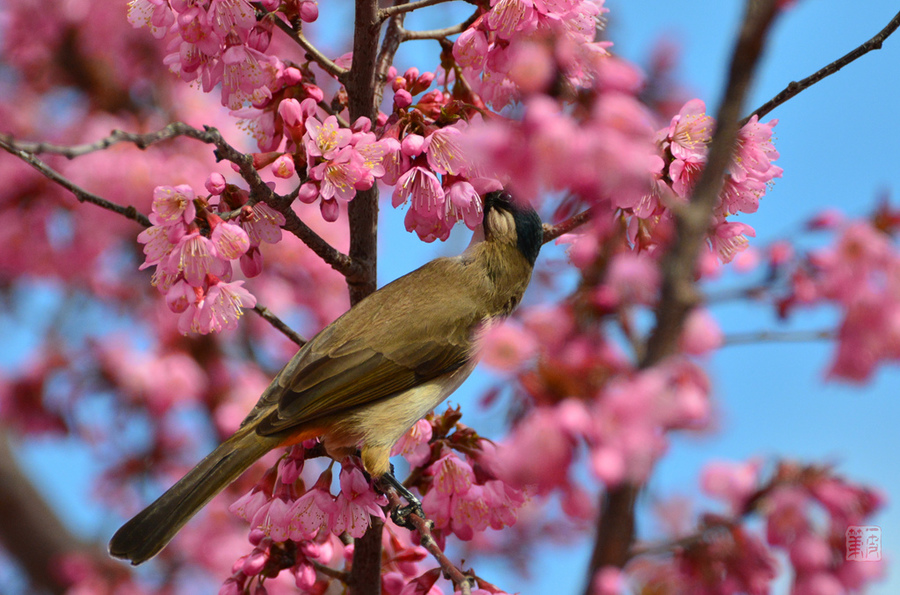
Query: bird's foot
<point x="400" y="515"/>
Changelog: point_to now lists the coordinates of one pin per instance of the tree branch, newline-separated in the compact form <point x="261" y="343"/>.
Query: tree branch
<point x="440" y="33"/>
<point x="312" y="52"/>
<point x="551" y="232"/>
<point x="780" y="337"/>
<point x="794" y="88"/>
<point x="393" y="37"/>
<point x="279" y="324"/>
<point x="386" y="13"/>
<point x="80" y="193"/>
<point x="423" y="527"/>
<point x="32" y="533"/>
<point x="615" y="528"/>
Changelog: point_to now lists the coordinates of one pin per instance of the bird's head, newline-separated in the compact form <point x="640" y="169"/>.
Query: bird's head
<point x="508" y="221"/>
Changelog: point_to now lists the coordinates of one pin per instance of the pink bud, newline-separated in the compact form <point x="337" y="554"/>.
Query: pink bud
<point x="284" y="166"/>
<point x="402" y="98"/>
<point x="330" y="210"/>
<point x="309" y="12"/>
<point x="251" y="262"/>
<point x="291" y="76"/>
<point x="215" y="183"/>
<point x="291" y="112"/>
<point x="362" y="124"/>
<point x="308" y="193"/>
<point x="254" y="563"/>
<point x="398" y="84"/>
<point x="412" y="73"/>
<point x="412" y="145"/>
<point x="180" y="296"/>
<point x="314" y="92"/>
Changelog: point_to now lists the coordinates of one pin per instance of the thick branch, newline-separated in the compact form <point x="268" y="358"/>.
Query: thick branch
<point x="31" y="532"/>
<point x="365" y="574"/>
<point x="615" y="532"/>
<point x="794" y="88"/>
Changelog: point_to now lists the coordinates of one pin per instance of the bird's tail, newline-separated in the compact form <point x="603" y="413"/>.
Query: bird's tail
<point x="146" y="534"/>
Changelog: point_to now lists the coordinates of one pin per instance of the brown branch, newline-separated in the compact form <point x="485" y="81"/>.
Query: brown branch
<point x="280" y="325"/>
<point x="312" y="52"/>
<point x="551" y="232"/>
<point x="615" y="529"/>
<point x="440" y="33"/>
<point x="780" y="337"/>
<point x="330" y="572"/>
<point x="392" y="39"/>
<point x="80" y="193"/>
<point x="794" y="88"/>
<point x="423" y="526"/>
<point x="360" y="82"/>
<point x="32" y="533"/>
<point x="396" y="9"/>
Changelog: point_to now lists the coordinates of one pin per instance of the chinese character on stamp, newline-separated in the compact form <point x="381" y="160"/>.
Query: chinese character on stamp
<point x="863" y="543"/>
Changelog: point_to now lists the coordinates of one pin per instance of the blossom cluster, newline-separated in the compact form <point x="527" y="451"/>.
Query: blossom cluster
<point x="193" y="249"/>
<point x="219" y="43"/>
<point x="805" y="512"/>
<point x="684" y="144"/>
<point x="307" y="522"/>
<point x="520" y="46"/>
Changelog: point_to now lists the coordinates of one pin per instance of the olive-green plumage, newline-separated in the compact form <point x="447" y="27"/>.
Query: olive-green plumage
<point x="365" y="379"/>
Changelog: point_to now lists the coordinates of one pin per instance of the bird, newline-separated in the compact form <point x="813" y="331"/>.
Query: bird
<point x="369" y="376"/>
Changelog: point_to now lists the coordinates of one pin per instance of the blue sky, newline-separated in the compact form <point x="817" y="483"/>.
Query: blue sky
<point x="838" y="144"/>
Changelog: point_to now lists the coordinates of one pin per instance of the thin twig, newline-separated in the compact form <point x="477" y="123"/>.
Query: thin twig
<point x="423" y="527"/>
<point x="341" y="575"/>
<point x="551" y="232"/>
<point x="440" y="33"/>
<point x="780" y="337"/>
<point x="279" y="324"/>
<point x="312" y="51"/>
<point x="80" y="193"/>
<point x="390" y="44"/>
<point x="386" y="13"/>
<point x="795" y="88"/>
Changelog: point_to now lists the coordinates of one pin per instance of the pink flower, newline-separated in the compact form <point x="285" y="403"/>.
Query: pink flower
<point x="180" y="296"/>
<point x="225" y="303"/>
<point x="246" y="76"/>
<point x="195" y="257"/>
<point x="632" y="279"/>
<point x="325" y="139"/>
<point x="226" y="15"/>
<point x="463" y="202"/>
<point x="248" y="505"/>
<point x="445" y="152"/>
<point x="424" y="189"/>
<point x="730" y="237"/>
<point x="157" y="244"/>
<point x="341" y="176"/>
<point x="354" y="505"/>
<point x="153" y="14"/>
<point x="732" y="482"/>
<point x="262" y="224"/>
<point x="690" y="132"/>
<point x="173" y="205"/>
<point x="701" y="333"/>
<point x="230" y="240"/>
<point x="414" y="444"/>
<point x="470" y="49"/>
<point x="313" y="510"/>
<point x="507" y="346"/>
<point x="510" y="16"/>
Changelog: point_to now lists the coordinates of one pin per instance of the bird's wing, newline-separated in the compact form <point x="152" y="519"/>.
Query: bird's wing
<point x="389" y="343"/>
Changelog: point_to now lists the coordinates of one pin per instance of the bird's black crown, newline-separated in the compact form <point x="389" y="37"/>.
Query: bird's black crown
<point x="529" y="228"/>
